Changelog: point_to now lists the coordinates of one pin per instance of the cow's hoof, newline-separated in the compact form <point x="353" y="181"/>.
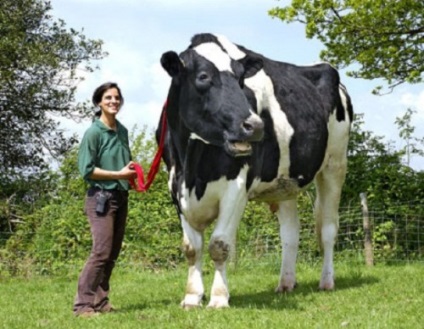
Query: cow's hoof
<point x="285" y="288"/>
<point x="326" y="286"/>
<point x="188" y="307"/>
<point x="191" y="301"/>
<point x="218" y="302"/>
<point x="327" y="282"/>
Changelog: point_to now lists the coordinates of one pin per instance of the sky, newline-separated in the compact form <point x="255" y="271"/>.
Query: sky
<point x="137" y="32"/>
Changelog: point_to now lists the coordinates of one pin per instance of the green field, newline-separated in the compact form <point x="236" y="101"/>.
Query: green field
<point x="379" y="297"/>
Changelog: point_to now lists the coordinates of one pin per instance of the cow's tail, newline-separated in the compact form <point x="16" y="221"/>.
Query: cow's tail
<point x="346" y="101"/>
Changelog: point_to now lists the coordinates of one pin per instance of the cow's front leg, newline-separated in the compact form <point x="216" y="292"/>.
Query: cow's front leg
<point x="219" y="249"/>
<point x="193" y="250"/>
<point x="223" y="238"/>
<point x="289" y="234"/>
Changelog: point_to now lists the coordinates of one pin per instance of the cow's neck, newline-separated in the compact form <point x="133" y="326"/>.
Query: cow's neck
<point x="179" y="133"/>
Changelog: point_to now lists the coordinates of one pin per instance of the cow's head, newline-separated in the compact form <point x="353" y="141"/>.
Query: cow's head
<point x="211" y="104"/>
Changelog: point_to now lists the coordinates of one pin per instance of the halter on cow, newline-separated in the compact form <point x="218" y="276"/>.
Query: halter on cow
<point x="244" y="127"/>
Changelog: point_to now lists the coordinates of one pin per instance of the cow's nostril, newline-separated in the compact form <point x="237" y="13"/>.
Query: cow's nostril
<point x="253" y="128"/>
<point x="248" y="127"/>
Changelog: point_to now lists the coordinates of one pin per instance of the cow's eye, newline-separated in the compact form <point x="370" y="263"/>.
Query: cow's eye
<point x="203" y="81"/>
<point x="203" y="76"/>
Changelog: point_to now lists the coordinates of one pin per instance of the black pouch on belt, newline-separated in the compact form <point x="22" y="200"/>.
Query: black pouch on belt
<point x="101" y="199"/>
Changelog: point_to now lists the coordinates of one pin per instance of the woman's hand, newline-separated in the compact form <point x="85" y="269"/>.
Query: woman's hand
<point x="128" y="171"/>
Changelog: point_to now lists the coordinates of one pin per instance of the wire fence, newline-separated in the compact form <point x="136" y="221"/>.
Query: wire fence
<point x="396" y="236"/>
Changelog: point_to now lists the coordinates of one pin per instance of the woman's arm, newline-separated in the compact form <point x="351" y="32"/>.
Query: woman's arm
<point x="125" y="173"/>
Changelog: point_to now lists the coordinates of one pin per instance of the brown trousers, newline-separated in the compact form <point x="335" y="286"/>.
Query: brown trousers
<point x="107" y="232"/>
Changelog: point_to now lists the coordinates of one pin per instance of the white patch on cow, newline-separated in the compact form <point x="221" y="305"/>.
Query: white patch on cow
<point x="289" y="234"/>
<point x="343" y="93"/>
<point x="232" y="205"/>
<point x="230" y="47"/>
<point x="193" y="248"/>
<point x="195" y="136"/>
<point x="213" y="53"/>
<point x="338" y="135"/>
<point x="171" y="178"/>
<point x="213" y="204"/>
<point x="199" y="213"/>
<point x="329" y="182"/>
<point x="263" y="89"/>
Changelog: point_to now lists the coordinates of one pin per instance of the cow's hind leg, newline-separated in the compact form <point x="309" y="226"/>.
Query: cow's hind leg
<point x="289" y="234"/>
<point x="193" y="250"/>
<point x="329" y="184"/>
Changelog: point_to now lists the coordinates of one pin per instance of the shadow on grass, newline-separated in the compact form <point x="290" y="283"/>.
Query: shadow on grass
<point x="152" y="304"/>
<point x="269" y="299"/>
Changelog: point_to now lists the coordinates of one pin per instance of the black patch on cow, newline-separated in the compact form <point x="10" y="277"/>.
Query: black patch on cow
<point x="266" y="154"/>
<point x="251" y="98"/>
<point x="202" y="38"/>
<point x="207" y="163"/>
<point x="327" y="80"/>
<point x="307" y="114"/>
<point x="252" y="64"/>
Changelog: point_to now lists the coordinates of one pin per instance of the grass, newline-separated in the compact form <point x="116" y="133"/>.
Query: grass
<point x="379" y="297"/>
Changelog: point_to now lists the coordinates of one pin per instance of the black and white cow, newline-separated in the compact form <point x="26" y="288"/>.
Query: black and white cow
<point x="244" y="127"/>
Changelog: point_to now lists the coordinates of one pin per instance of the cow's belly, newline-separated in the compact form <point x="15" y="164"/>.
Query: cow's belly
<point x="279" y="189"/>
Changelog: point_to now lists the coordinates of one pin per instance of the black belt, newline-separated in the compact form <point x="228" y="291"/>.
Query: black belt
<point x="93" y="190"/>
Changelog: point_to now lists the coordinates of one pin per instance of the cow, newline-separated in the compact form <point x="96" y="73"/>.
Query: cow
<point x="244" y="127"/>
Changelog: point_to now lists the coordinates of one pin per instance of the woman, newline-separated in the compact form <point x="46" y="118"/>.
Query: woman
<point x="104" y="161"/>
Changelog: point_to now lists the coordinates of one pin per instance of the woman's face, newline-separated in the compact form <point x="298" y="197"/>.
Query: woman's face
<point x="111" y="101"/>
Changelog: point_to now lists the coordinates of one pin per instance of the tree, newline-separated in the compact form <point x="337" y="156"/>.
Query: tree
<point x="376" y="168"/>
<point x="385" y="37"/>
<point x="406" y="131"/>
<point x="40" y="66"/>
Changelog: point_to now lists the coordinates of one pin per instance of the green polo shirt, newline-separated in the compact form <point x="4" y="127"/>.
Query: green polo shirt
<point x="107" y="149"/>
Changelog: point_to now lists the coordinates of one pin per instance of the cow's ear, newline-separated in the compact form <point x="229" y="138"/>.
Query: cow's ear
<point x="172" y="63"/>
<point x="251" y="65"/>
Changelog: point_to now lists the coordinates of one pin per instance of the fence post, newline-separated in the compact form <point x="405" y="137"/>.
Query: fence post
<point x="369" y="256"/>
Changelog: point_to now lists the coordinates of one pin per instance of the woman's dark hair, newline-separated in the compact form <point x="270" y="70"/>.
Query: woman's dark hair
<point x="98" y="94"/>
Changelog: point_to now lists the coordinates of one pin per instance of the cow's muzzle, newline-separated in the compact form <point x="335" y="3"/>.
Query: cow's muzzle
<point x="252" y="131"/>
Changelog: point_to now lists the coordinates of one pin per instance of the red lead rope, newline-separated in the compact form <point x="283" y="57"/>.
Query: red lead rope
<point x="141" y="186"/>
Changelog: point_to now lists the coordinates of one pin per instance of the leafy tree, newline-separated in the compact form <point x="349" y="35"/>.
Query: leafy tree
<point x="385" y="37"/>
<point x="40" y="62"/>
<point x="393" y="189"/>
<point x="377" y="168"/>
<point x="40" y="66"/>
<point x="406" y="131"/>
